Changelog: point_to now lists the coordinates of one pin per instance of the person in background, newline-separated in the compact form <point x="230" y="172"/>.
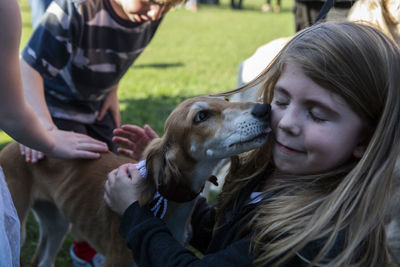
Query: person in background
<point x="267" y="6"/>
<point x="306" y="11"/>
<point x="316" y="192"/>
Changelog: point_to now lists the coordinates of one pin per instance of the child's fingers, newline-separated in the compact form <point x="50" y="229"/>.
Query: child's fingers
<point x="134" y="174"/>
<point x="150" y="132"/>
<point x="127" y="153"/>
<point x="124" y="142"/>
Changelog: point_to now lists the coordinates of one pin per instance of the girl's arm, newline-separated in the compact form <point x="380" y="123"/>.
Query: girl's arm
<point x="202" y="221"/>
<point x="153" y="245"/>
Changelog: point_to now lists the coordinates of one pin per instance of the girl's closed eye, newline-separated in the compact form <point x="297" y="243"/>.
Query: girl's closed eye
<point x="317" y="116"/>
<point x="281" y="102"/>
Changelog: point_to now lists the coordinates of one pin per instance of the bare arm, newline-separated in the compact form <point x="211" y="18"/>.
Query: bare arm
<point x="34" y="93"/>
<point x="16" y="117"/>
<point x="111" y="104"/>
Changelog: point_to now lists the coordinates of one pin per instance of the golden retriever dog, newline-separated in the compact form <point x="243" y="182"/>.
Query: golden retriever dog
<point x="62" y="193"/>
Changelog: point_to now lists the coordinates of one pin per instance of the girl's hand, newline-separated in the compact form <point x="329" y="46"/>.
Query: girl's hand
<point x="121" y="187"/>
<point x="134" y="139"/>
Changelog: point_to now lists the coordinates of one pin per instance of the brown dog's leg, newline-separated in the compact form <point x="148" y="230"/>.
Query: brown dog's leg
<point x="53" y="228"/>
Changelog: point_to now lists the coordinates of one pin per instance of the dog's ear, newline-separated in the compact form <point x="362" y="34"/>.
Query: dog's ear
<point x="172" y="170"/>
<point x="154" y="161"/>
<point x="161" y="164"/>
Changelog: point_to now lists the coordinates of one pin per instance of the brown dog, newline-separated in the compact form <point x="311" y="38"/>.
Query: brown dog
<point x="198" y="133"/>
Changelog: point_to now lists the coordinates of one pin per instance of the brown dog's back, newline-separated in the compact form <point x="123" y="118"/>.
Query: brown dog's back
<point x="61" y="183"/>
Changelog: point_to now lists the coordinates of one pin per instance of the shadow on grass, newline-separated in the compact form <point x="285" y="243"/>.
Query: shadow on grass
<point x="248" y="6"/>
<point x="152" y="110"/>
<point x="158" y="65"/>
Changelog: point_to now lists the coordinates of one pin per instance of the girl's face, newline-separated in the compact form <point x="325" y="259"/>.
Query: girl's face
<point x="315" y="130"/>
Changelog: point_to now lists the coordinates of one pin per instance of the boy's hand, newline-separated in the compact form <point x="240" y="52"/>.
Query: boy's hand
<point x="134" y="138"/>
<point x="121" y="188"/>
<point x="67" y="145"/>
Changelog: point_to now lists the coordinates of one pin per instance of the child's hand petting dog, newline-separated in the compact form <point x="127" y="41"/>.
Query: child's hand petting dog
<point x="121" y="187"/>
<point x="134" y="139"/>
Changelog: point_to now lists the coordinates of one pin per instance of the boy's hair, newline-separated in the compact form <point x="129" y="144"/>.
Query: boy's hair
<point x="362" y="65"/>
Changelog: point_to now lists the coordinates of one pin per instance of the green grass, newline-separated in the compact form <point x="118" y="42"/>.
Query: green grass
<point x="191" y="54"/>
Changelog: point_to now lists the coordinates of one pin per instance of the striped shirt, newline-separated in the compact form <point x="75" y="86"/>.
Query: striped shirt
<point x="82" y="48"/>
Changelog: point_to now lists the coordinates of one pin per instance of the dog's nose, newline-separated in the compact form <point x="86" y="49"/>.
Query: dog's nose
<point x="261" y="111"/>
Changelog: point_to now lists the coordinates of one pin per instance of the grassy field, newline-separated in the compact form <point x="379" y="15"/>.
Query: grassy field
<point x="191" y="54"/>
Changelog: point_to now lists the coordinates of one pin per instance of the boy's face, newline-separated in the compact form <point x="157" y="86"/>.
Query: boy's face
<point x="139" y="10"/>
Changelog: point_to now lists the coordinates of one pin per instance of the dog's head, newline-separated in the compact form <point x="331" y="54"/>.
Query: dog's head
<point x="197" y="134"/>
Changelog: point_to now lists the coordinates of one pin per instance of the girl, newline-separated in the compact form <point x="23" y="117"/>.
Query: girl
<point x="315" y="193"/>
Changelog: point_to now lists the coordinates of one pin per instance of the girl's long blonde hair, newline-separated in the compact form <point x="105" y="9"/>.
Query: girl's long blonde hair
<point x="362" y="65"/>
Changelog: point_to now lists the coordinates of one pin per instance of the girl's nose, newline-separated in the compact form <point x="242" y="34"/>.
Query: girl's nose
<point x="290" y="122"/>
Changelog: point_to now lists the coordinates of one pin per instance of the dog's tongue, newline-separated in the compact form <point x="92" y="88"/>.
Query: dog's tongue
<point x="213" y="179"/>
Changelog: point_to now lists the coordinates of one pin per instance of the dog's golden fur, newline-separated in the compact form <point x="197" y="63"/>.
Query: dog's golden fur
<point x="199" y="133"/>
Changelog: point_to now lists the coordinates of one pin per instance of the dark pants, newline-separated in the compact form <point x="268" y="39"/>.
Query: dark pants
<point x="100" y="130"/>
<point x="236" y="4"/>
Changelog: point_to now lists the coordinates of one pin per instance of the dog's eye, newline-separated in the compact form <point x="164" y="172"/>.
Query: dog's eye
<point x="201" y="116"/>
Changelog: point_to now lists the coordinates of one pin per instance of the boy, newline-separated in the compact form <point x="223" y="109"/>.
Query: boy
<point x="76" y="57"/>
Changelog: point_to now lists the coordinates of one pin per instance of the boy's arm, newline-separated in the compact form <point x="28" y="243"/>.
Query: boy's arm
<point x="111" y="103"/>
<point x="34" y="94"/>
<point x="73" y="145"/>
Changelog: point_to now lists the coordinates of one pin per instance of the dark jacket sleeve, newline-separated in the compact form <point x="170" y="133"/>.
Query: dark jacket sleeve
<point x="202" y="221"/>
<point x="153" y="245"/>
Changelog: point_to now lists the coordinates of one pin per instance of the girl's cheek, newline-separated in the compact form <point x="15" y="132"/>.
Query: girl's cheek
<point x="275" y="115"/>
